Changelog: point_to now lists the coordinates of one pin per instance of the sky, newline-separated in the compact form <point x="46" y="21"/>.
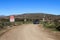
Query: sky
<point x="13" y="7"/>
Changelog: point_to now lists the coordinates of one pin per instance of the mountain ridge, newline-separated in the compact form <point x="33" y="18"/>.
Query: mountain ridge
<point x="35" y="16"/>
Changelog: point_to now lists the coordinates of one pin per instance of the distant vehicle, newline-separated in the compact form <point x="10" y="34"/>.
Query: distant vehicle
<point x="36" y="21"/>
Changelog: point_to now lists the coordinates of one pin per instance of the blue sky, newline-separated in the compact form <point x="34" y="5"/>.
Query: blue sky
<point x="10" y="7"/>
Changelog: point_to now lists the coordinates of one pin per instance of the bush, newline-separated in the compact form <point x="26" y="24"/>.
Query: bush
<point x="57" y="23"/>
<point x="50" y="25"/>
<point x="1" y="25"/>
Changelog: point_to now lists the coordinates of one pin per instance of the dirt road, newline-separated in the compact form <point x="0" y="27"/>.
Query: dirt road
<point x="26" y="32"/>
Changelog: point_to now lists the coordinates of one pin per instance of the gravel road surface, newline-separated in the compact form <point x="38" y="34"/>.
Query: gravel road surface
<point x="26" y="32"/>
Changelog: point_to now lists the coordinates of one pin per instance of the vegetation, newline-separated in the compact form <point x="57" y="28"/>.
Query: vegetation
<point x="4" y="23"/>
<point x="49" y="25"/>
<point x="55" y="24"/>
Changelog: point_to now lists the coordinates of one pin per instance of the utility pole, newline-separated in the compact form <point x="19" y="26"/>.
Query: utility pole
<point x="25" y="19"/>
<point x="44" y="18"/>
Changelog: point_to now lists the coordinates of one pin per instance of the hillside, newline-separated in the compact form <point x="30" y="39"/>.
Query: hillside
<point x="34" y="16"/>
<point x="38" y="16"/>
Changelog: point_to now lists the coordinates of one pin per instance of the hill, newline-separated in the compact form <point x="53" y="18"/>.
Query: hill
<point x="38" y="16"/>
<point x="34" y="16"/>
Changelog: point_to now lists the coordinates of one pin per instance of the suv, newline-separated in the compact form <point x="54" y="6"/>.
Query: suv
<point x="36" y="21"/>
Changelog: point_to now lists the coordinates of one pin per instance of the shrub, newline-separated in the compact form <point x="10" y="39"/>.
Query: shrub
<point x="57" y="23"/>
<point x="49" y="25"/>
<point x="1" y="26"/>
